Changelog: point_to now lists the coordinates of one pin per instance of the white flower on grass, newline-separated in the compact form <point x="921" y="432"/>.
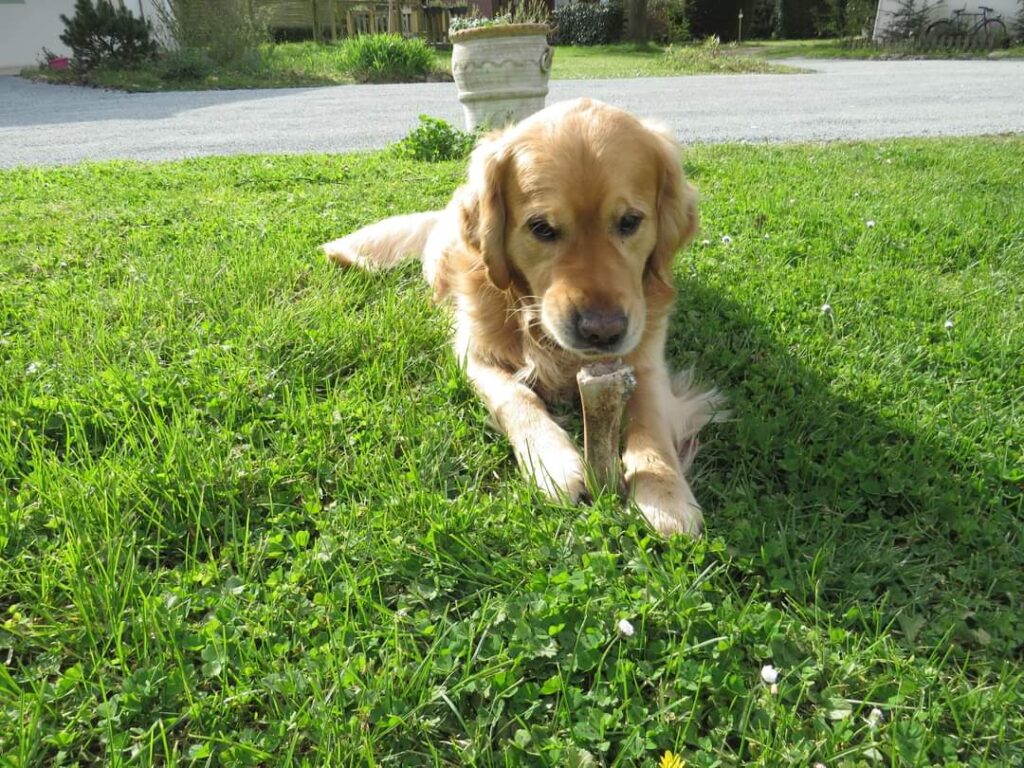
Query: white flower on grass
<point x="826" y="308"/>
<point x="705" y="242"/>
<point x="767" y="237"/>
<point x="870" y="223"/>
<point x="875" y="717"/>
<point x="769" y="674"/>
<point x="625" y="628"/>
<point x="32" y="368"/>
<point x="949" y="325"/>
<point x="726" y="239"/>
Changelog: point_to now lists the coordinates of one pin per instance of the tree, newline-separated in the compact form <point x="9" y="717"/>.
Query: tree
<point x="860" y="17"/>
<point x="909" y="20"/>
<point x="229" y="31"/>
<point x="780" y="18"/>
<point x="636" y="21"/>
<point x="102" y="34"/>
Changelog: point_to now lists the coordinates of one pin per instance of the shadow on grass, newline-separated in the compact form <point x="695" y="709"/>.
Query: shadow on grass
<point x="844" y="510"/>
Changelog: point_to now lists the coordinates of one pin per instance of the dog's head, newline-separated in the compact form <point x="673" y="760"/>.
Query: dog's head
<point x="581" y="208"/>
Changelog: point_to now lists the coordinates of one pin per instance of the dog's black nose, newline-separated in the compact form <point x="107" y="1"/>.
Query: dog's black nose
<point x="601" y="328"/>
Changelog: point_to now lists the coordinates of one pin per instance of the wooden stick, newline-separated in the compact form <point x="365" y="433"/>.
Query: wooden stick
<point x="604" y="390"/>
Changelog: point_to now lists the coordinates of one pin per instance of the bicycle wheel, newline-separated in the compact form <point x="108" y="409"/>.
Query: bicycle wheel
<point x="994" y="29"/>
<point x="940" y="30"/>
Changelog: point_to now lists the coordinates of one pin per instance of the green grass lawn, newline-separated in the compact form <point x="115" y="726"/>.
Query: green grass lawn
<point x="283" y="65"/>
<point x="837" y="49"/>
<point x="580" y="62"/>
<point x="253" y="515"/>
<point x="308" y="64"/>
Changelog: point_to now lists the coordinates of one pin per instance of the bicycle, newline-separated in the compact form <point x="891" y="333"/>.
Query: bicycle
<point x="990" y="26"/>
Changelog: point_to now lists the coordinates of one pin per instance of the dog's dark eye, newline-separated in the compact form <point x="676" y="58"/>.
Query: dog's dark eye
<point x="629" y="223"/>
<point x="543" y="231"/>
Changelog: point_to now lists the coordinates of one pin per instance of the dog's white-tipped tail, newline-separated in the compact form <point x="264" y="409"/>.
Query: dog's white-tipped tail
<point x="384" y="244"/>
<point x="692" y="408"/>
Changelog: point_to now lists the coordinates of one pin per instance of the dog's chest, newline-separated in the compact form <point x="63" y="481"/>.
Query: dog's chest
<point x="550" y="370"/>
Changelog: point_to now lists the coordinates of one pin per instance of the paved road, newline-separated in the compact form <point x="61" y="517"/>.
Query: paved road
<point x="49" y="125"/>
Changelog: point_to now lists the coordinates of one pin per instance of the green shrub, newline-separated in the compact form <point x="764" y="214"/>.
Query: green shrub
<point x="185" y="64"/>
<point x="435" y="140"/>
<point x="779" y="18"/>
<point x="667" y="22"/>
<point x="760" y="21"/>
<point x="588" y="23"/>
<point x="708" y="57"/>
<point x="859" y="17"/>
<point x="909" y="20"/>
<point x="711" y="46"/>
<point x="101" y="34"/>
<point x="387" y="58"/>
<point x="229" y="31"/>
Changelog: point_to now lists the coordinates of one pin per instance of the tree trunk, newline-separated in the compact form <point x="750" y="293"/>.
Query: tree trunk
<point x="636" y="21"/>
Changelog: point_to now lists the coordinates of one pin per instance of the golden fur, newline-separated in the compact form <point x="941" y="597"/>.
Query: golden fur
<point x="558" y="251"/>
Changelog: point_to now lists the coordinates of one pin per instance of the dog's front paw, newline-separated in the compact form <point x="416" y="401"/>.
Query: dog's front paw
<point x="668" y="504"/>
<point x="560" y="474"/>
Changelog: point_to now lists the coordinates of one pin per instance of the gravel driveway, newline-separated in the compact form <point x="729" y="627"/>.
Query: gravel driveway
<point x="49" y="125"/>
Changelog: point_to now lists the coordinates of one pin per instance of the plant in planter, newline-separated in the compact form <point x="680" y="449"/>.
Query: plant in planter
<point x="52" y="61"/>
<point x="501" y="65"/>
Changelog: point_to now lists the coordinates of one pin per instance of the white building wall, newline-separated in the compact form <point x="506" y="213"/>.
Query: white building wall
<point x="27" y="26"/>
<point x="944" y="9"/>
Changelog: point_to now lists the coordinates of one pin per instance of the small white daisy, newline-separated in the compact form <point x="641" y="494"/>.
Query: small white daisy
<point x="766" y="237"/>
<point x="769" y="674"/>
<point x="826" y="308"/>
<point x="870" y="223"/>
<point x="705" y="242"/>
<point x="949" y="325"/>
<point x="726" y="239"/>
<point x="875" y="717"/>
<point x="32" y="368"/>
<point x="625" y="628"/>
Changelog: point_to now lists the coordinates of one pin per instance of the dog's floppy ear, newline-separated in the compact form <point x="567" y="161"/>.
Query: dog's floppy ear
<point x="678" y="218"/>
<point x="483" y="209"/>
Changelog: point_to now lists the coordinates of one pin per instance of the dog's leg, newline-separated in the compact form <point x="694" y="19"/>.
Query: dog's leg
<point x="384" y="244"/>
<point x="543" y="449"/>
<point x="651" y="459"/>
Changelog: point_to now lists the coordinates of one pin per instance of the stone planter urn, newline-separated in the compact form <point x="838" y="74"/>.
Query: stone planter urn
<point x="501" y="72"/>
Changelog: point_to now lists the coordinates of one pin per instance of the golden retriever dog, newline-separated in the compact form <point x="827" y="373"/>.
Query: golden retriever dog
<point x="557" y="252"/>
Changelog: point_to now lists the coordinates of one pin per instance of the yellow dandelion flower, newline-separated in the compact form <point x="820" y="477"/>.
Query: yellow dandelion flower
<point x="669" y="760"/>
